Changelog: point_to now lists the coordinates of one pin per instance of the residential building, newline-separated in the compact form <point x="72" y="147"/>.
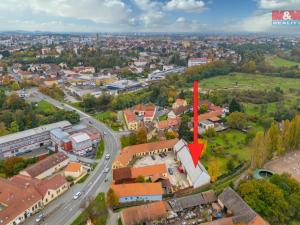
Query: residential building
<point x="129" y="174"/>
<point x="129" y="152"/>
<point x="17" y="203"/>
<point x="170" y="123"/>
<point x="48" y="188"/>
<point x="145" y="111"/>
<point x="47" y="167"/>
<point x="28" y="140"/>
<point x="81" y="143"/>
<point x="197" y="61"/>
<point x="138" y="192"/>
<point x="131" y="120"/>
<point x="179" y="103"/>
<point x="152" y="212"/>
<point x="206" y="124"/>
<point x="197" y="175"/>
<point x="176" y="112"/>
<point x="74" y="170"/>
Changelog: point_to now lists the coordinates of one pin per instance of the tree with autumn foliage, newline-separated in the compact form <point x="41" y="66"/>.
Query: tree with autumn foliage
<point x="112" y="198"/>
<point x="213" y="169"/>
<point x="141" y="136"/>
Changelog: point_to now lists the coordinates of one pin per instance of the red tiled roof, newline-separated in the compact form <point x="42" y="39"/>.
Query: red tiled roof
<point x="137" y="189"/>
<point x="209" y="115"/>
<point x="45" y="164"/>
<point x="168" y="123"/>
<point x="42" y="186"/>
<point x="147" y="171"/>
<point x="16" y="199"/>
<point x="127" y="153"/>
<point x="144" y="108"/>
<point x="130" y="116"/>
<point x="144" y="213"/>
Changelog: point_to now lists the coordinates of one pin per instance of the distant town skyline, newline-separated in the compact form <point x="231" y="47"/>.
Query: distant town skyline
<point x="143" y="15"/>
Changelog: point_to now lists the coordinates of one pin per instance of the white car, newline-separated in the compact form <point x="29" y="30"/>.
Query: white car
<point x="77" y="195"/>
<point x="39" y="218"/>
<point x="106" y="170"/>
<point x="107" y="156"/>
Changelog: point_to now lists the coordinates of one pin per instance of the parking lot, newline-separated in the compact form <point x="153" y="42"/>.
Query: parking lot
<point x="177" y="179"/>
<point x="288" y="163"/>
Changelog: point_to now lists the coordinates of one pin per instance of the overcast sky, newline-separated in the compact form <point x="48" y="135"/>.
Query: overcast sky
<point x="143" y="15"/>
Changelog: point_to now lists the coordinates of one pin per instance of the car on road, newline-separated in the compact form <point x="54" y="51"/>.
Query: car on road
<point x="104" y="133"/>
<point x="106" y="179"/>
<point x="153" y="157"/>
<point x="90" y="122"/>
<point x="170" y="171"/>
<point x="107" y="156"/>
<point x="106" y="170"/>
<point x="39" y="218"/>
<point x="77" y="195"/>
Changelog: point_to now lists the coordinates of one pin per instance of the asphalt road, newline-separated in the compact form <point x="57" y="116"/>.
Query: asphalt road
<point x="65" y="209"/>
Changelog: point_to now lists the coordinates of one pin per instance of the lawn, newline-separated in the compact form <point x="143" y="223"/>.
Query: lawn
<point x="97" y="210"/>
<point x="280" y="62"/>
<point x="100" y="149"/>
<point x="46" y="107"/>
<point x="110" y="119"/>
<point x="227" y="145"/>
<point x="243" y="81"/>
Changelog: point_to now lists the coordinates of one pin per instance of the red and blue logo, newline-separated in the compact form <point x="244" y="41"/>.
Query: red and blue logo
<point x="286" y="17"/>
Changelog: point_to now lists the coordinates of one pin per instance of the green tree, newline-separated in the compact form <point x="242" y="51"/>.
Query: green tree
<point x="3" y="130"/>
<point x="266" y="199"/>
<point x="14" y="127"/>
<point x="210" y="132"/>
<point x="235" y="106"/>
<point x="15" y="86"/>
<point x="237" y="120"/>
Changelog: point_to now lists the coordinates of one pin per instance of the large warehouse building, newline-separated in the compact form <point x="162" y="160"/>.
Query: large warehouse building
<point x="28" y="140"/>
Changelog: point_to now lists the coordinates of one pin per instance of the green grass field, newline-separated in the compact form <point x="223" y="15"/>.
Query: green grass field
<point x="280" y="62"/>
<point x="109" y="119"/>
<point x="45" y="106"/>
<point x="227" y="145"/>
<point x="242" y="81"/>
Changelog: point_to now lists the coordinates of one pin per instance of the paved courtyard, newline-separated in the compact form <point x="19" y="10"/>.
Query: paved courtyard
<point x="288" y="163"/>
<point x="178" y="180"/>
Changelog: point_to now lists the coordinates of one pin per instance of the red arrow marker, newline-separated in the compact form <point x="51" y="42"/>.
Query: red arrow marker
<point x="196" y="148"/>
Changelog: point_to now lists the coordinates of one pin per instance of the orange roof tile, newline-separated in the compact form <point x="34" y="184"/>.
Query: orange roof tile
<point x="209" y="115"/>
<point x="144" y="108"/>
<point x="129" y="115"/>
<point x="146" y="171"/>
<point x="73" y="167"/>
<point x="164" y="124"/>
<point x="129" y="152"/>
<point x="137" y="189"/>
<point x="16" y="199"/>
<point x="144" y="213"/>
